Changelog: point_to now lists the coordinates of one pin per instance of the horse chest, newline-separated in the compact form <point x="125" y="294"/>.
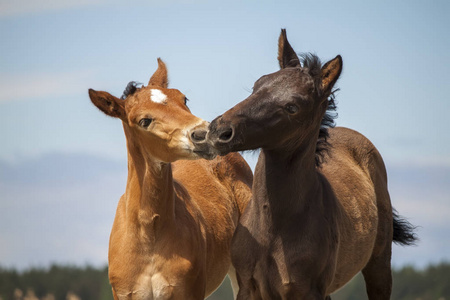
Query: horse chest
<point x="280" y="259"/>
<point x="272" y="276"/>
<point x="151" y="277"/>
<point x="153" y="287"/>
<point x="153" y="282"/>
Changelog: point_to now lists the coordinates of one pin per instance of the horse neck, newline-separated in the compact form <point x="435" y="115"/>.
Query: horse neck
<point x="286" y="181"/>
<point x="149" y="191"/>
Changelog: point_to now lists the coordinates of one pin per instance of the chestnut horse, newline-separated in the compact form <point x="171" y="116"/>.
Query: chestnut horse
<point x="312" y="224"/>
<point x="173" y="227"/>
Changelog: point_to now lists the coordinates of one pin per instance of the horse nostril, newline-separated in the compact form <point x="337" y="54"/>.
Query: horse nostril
<point x="226" y="135"/>
<point x="198" y="135"/>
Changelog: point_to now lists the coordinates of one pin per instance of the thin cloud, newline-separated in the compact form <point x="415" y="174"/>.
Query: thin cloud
<point x="10" y="8"/>
<point x="32" y="86"/>
<point x="14" y="8"/>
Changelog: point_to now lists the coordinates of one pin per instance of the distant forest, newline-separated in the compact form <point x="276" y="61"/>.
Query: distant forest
<point x="88" y="283"/>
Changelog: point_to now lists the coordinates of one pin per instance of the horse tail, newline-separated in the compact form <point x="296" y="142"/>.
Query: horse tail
<point x="403" y="231"/>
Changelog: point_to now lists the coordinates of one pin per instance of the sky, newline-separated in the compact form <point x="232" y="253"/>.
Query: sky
<point x="63" y="163"/>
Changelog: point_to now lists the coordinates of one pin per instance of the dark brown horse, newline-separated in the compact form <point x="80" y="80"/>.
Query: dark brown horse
<point x="319" y="213"/>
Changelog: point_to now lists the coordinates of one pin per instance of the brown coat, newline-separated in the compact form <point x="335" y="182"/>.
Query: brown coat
<point x="172" y="231"/>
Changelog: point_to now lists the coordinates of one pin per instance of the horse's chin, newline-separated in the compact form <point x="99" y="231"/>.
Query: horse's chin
<point x="235" y="145"/>
<point x="221" y="150"/>
<point x="206" y="155"/>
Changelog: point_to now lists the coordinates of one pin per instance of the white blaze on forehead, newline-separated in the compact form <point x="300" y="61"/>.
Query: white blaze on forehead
<point x="157" y="96"/>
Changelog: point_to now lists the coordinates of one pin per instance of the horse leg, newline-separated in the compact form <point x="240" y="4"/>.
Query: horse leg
<point x="378" y="277"/>
<point x="298" y="292"/>
<point x="234" y="282"/>
<point x="315" y="297"/>
<point x="247" y="293"/>
<point x="248" y="289"/>
<point x="114" y="295"/>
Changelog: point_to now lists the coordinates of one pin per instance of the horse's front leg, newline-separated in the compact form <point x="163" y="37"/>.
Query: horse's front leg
<point x="247" y="289"/>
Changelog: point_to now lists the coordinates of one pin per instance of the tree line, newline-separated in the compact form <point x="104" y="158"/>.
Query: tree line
<point x="88" y="283"/>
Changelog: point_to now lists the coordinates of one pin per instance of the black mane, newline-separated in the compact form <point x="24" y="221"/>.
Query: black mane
<point x="313" y="63"/>
<point x="131" y="88"/>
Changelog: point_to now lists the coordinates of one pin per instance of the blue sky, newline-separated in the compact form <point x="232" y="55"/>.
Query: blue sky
<point x="62" y="162"/>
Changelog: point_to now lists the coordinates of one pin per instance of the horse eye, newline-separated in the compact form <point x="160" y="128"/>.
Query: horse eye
<point x="145" y="122"/>
<point x="291" y="108"/>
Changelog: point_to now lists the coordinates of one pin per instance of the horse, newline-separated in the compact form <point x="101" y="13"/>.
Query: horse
<point x="172" y="231"/>
<point x="320" y="211"/>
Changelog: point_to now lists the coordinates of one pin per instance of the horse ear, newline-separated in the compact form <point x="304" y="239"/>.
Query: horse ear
<point x="330" y="73"/>
<point x="159" y="78"/>
<point x="286" y="55"/>
<point x="107" y="103"/>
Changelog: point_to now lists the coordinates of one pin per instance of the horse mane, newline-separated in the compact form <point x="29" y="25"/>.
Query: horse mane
<point x="314" y="65"/>
<point x="130" y="89"/>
